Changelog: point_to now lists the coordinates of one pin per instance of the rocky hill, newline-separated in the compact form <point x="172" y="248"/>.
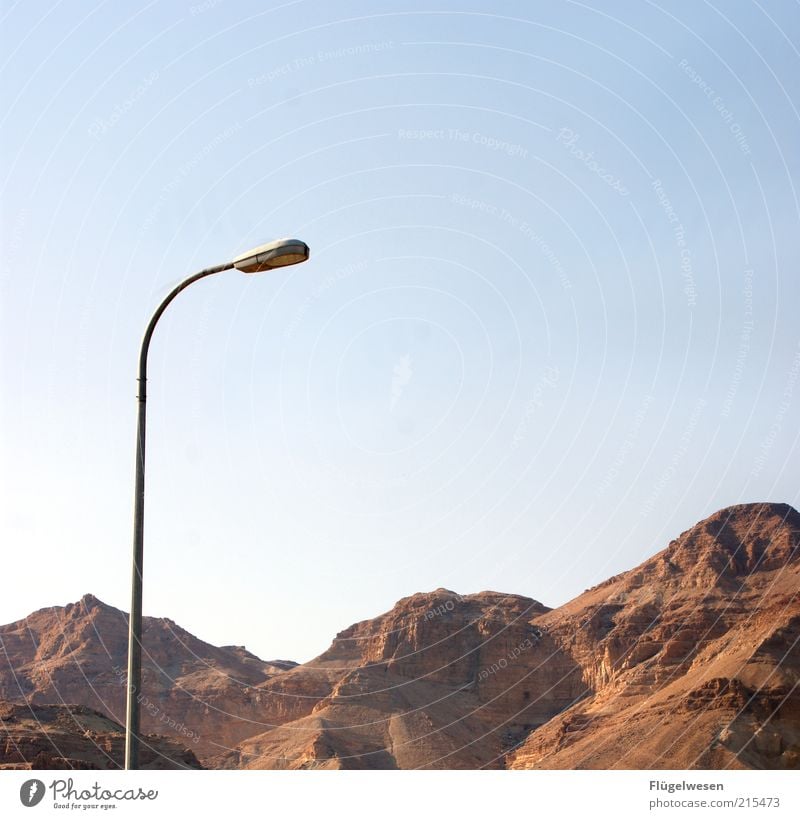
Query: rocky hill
<point x="440" y="681"/>
<point x="59" y="737"/>
<point x="197" y="693"/>
<point x="690" y="660"/>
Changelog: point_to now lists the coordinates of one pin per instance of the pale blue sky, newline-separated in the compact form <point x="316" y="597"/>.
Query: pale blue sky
<point x="516" y="360"/>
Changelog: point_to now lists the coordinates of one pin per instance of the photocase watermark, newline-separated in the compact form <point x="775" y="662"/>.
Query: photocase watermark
<point x="31" y="792"/>
<point x="444" y="608"/>
<point x="322" y="56"/>
<point x="65" y="795"/>
<point x="780" y="414"/>
<point x="627" y="445"/>
<point x="719" y="105"/>
<point x="402" y="373"/>
<point x="744" y="343"/>
<point x="201" y="8"/>
<point x="338" y="275"/>
<point x="155" y="710"/>
<point x="689" y="288"/>
<point x="518" y="224"/>
<point x="101" y="125"/>
<point x="683" y="447"/>
<point x="512" y="656"/>
<point x="457" y="135"/>
<point x="546" y="381"/>
<point x="65" y="790"/>
<point x="185" y="170"/>
<point x="569" y="139"/>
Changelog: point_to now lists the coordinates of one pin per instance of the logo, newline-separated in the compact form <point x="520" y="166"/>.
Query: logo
<point x="31" y="792"/>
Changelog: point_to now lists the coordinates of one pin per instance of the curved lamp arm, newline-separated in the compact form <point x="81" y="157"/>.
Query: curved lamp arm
<point x="148" y="333"/>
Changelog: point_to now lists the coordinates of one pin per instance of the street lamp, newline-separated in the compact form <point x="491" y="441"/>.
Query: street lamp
<point x="280" y="253"/>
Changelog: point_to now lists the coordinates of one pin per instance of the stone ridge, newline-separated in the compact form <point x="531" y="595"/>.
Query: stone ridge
<point x="687" y="661"/>
<point x="64" y="737"/>
<point x="197" y="693"/>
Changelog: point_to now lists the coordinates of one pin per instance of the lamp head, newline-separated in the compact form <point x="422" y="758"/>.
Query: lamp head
<point x="280" y="253"/>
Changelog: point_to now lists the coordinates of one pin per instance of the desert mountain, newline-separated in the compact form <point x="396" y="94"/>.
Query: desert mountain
<point x="689" y="660"/>
<point x="57" y="737"/>
<point x="440" y="681"/>
<point x="194" y="692"/>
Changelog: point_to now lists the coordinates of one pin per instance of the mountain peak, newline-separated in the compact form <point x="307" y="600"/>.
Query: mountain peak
<point x="740" y="539"/>
<point x="757" y="511"/>
<point x="87" y="604"/>
<point x="675" y="663"/>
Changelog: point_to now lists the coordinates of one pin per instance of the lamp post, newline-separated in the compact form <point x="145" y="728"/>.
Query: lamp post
<point x="280" y="253"/>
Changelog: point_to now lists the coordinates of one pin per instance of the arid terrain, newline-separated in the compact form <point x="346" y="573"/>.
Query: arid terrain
<point x="690" y="660"/>
<point x="59" y="737"/>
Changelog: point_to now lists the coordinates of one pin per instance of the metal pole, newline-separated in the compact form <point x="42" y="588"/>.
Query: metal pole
<point x="132" y="715"/>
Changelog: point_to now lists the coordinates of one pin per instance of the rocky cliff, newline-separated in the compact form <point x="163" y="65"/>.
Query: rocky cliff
<point x="689" y="660"/>
<point x="60" y="737"/>
<point x="440" y="681"/>
<point x="199" y="694"/>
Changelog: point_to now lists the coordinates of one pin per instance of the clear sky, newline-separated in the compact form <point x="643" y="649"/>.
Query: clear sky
<point x="550" y="320"/>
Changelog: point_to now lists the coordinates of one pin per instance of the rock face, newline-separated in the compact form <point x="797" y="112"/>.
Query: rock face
<point x="440" y="681"/>
<point x="57" y="737"/>
<point x="199" y="694"/>
<point x="690" y="660"/>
